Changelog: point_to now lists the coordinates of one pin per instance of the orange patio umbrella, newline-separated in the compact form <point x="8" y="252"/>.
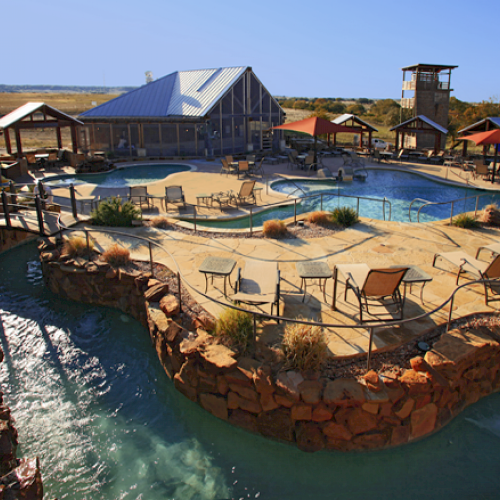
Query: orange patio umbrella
<point x="484" y="138"/>
<point x="316" y="126"/>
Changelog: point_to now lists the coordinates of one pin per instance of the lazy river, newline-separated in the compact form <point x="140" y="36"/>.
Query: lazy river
<point x="400" y="189"/>
<point x="91" y="400"/>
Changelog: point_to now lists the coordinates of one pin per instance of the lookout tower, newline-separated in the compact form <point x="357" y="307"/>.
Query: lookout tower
<point x="426" y="91"/>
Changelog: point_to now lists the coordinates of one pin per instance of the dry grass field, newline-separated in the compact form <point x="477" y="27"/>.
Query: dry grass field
<point x="72" y="104"/>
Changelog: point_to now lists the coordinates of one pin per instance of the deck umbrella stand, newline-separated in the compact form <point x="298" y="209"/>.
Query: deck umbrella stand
<point x="485" y="138"/>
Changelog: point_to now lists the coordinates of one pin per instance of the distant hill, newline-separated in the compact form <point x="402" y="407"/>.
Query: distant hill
<point x="63" y="89"/>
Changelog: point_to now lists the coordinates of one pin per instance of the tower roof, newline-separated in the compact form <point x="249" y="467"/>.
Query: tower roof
<point x="428" y="67"/>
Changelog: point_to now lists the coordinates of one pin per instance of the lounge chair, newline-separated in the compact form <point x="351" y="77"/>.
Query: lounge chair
<point x="258" y="283"/>
<point x="374" y="288"/>
<point x="403" y="155"/>
<point x="245" y="195"/>
<point x="138" y="195"/>
<point x="477" y="268"/>
<point x="174" y="194"/>
<point x="437" y="158"/>
<point x="494" y="248"/>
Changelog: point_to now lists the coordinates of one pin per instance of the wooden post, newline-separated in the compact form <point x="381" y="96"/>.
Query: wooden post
<point x="74" y="141"/>
<point x="5" y="204"/>
<point x="73" y="200"/>
<point x="7" y="141"/>
<point x="59" y="140"/>
<point x="18" y="141"/>
<point x="39" y="215"/>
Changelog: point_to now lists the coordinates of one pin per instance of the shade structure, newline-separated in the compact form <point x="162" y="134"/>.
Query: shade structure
<point x="316" y="126"/>
<point x="484" y="138"/>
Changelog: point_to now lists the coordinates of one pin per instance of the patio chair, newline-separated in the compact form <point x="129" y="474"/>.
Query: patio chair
<point x="437" y="158"/>
<point x="138" y="195"/>
<point x="480" y="169"/>
<point x="375" y="288"/>
<point x="245" y="195"/>
<point x="257" y="169"/>
<point x="258" y="283"/>
<point x="310" y="164"/>
<point x="292" y="160"/>
<point x="477" y="268"/>
<point x="243" y="168"/>
<point x="227" y="168"/>
<point x="174" y="194"/>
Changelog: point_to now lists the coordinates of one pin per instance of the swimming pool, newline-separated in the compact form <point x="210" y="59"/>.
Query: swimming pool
<point x="400" y="188"/>
<point x="90" y="398"/>
<point x="121" y="177"/>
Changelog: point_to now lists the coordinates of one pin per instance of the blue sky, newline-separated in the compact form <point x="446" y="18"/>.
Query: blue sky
<point x="309" y="48"/>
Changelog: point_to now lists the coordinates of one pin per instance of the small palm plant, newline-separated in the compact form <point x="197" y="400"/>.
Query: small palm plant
<point x="115" y="213"/>
<point x="344" y="216"/>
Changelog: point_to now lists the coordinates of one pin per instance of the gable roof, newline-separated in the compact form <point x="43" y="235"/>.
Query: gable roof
<point x="495" y="120"/>
<point x="425" y="120"/>
<point x="29" y="108"/>
<point x="182" y="93"/>
<point x="347" y="116"/>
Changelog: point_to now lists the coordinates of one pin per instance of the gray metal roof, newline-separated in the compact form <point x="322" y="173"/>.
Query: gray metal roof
<point x="183" y="93"/>
<point x="495" y="120"/>
<point x="424" y="119"/>
<point x="347" y="116"/>
<point x="30" y="108"/>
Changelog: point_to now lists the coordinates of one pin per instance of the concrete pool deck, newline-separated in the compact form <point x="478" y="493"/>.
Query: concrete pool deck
<point x="376" y="243"/>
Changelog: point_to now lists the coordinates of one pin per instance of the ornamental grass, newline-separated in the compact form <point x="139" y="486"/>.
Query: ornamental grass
<point x="76" y="246"/>
<point x="304" y="347"/>
<point x="274" y="229"/>
<point x="116" y="256"/>
<point x="234" y="328"/>
<point x="321" y="218"/>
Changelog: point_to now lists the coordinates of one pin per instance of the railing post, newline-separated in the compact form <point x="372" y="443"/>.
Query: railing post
<point x="368" y="359"/>
<point x="254" y="327"/>
<point x="475" y="210"/>
<point x="451" y="214"/>
<point x="357" y="207"/>
<point x="451" y="310"/>
<point x="13" y="194"/>
<point x="39" y="215"/>
<point x="5" y="204"/>
<point x="72" y="196"/>
<point x="295" y="212"/>
<point x="87" y="239"/>
<point x="383" y="207"/>
<point x="179" y="288"/>
<point x="194" y="208"/>
<point x="251" y="221"/>
<point x="151" y="259"/>
<point x="321" y="202"/>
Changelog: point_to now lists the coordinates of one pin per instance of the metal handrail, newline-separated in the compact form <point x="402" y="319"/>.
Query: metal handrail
<point x="370" y="326"/>
<point x="428" y="203"/>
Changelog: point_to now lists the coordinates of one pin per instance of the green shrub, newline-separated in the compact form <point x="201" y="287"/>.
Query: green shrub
<point x="234" y="328"/>
<point x="465" y="221"/>
<point x="344" y="216"/>
<point x="114" y="213"/>
<point x="304" y="347"/>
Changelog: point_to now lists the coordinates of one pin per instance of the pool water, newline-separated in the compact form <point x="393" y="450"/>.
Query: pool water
<point x="91" y="400"/>
<point x="400" y="188"/>
<point x="121" y="177"/>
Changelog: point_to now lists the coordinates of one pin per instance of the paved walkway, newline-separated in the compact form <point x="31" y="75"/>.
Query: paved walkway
<point x="377" y="243"/>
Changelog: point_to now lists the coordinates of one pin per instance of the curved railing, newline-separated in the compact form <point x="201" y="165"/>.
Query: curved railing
<point x="370" y="326"/>
<point x="433" y="203"/>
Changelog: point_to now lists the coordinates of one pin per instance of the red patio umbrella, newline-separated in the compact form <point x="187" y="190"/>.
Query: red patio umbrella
<point x="316" y="126"/>
<point x="483" y="138"/>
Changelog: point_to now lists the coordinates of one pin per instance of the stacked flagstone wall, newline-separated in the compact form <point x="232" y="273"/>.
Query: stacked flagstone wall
<point x="305" y="408"/>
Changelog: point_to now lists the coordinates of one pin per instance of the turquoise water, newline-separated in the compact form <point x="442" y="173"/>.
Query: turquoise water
<point x="92" y="401"/>
<point x="400" y="188"/>
<point x="121" y="177"/>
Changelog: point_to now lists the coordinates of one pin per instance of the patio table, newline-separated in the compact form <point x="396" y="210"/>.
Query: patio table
<point x="313" y="270"/>
<point x="217" y="266"/>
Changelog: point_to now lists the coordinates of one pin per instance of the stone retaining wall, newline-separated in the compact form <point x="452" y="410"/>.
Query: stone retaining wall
<point x="307" y="409"/>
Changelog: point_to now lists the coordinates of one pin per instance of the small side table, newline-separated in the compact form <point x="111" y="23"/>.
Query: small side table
<point x="204" y="198"/>
<point x="217" y="266"/>
<point x="414" y="275"/>
<point x="313" y="270"/>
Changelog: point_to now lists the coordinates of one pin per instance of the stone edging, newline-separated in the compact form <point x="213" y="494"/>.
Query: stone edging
<point x="306" y="409"/>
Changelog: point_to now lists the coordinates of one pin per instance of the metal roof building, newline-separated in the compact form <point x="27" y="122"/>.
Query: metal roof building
<point x="186" y="113"/>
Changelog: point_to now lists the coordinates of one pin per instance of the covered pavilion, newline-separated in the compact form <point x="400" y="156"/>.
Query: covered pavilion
<point x="418" y="125"/>
<point x="356" y="123"/>
<point x="33" y="115"/>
